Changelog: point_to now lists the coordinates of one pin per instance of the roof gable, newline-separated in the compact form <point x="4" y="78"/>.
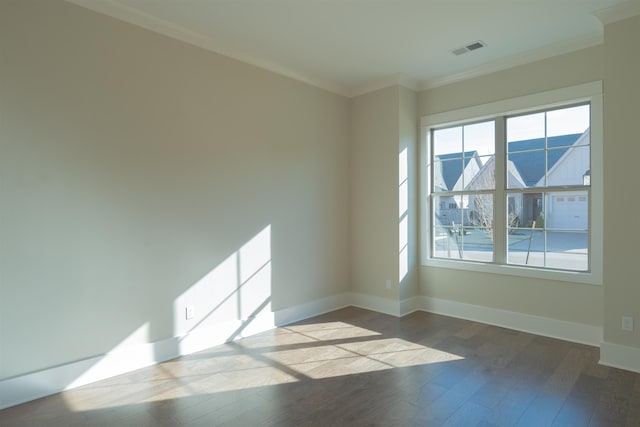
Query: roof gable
<point x="530" y="164"/>
<point x="526" y="160"/>
<point x="451" y="170"/>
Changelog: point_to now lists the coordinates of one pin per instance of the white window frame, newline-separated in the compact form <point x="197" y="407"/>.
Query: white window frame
<point x="588" y="92"/>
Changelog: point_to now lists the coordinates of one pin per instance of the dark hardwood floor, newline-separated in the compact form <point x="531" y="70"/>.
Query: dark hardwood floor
<point x="357" y="367"/>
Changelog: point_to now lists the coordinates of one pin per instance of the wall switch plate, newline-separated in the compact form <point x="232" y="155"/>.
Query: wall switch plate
<point x="627" y="323"/>
<point x="189" y="312"/>
<point x="388" y="284"/>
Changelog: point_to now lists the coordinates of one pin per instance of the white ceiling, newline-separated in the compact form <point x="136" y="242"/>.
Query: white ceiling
<point x="352" y="46"/>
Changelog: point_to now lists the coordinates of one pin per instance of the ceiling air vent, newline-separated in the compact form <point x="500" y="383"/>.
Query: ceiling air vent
<point x="468" y="48"/>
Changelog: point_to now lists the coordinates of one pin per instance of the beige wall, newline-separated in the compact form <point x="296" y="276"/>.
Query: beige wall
<point x="592" y="305"/>
<point x="557" y="300"/>
<point x="408" y="104"/>
<point x="571" y="69"/>
<point x="374" y="193"/>
<point x="133" y="165"/>
<point x="622" y="148"/>
<point x="383" y="125"/>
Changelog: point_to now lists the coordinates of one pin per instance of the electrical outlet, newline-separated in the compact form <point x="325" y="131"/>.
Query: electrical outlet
<point x="627" y="323"/>
<point x="388" y="284"/>
<point x="189" y="312"/>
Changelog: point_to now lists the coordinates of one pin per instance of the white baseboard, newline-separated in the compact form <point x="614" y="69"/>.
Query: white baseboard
<point x="17" y="390"/>
<point x="24" y="388"/>
<point x="409" y="305"/>
<point x="620" y="356"/>
<point x="375" y="303"/>
<point x="554" y="328"/>
<point x="312" y="308"/>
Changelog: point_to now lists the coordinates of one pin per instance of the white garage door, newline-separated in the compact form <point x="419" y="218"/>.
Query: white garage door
<point x="568" y="210"/>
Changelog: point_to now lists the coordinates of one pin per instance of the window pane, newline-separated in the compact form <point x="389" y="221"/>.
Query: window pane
<point x="447" y="175"/>
<point x="446" y="141"/>
<point x="477" y="244"/>
<point x="568" y="166"/>
<point x="525" y="216"/>
<point x="568" y="250"/>
<point x="526" y="247"/>
<point x="482" y="176"/>
<point x="448" y="216"/>
<point x="567" y="140"/>
<point x="480" y="137"/>
<point x="481" y="210"/>
<point x="447" y="211"/>
<point x="560" y="237"/>
<point x="524" y="128"/>
<point x="526" y="170"/>
<point x="567" y="121"/>
<point x="523" y="209"/>
<point x="525" y="226"/>
<point x="526" y="145"/>
<point x="478" y="236"/>
<point x="463" y="227"/>
<point x="447" y="243"/>
<point x="567" y="210"/>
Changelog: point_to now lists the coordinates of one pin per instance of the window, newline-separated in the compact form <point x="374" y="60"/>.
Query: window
<point x="462" y="159"/>
<point x="517" y="190"/>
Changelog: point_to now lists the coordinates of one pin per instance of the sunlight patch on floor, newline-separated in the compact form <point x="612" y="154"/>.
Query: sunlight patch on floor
<point x="280" y="356"/>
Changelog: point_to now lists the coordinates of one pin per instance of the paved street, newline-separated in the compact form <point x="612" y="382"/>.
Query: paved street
<point x="565" y="250"/>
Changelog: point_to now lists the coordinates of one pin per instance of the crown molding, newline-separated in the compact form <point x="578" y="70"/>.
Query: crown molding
<point x="149" y="22"/>
<point x="385" y="82"/>
<point x="618" y="12"/>
<point x="524" y="58"/>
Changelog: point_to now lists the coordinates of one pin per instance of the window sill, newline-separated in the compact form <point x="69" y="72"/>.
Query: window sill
<point x="588" y="278"/>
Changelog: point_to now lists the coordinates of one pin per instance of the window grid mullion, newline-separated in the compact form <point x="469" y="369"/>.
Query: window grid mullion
<point x="499" y="201"/>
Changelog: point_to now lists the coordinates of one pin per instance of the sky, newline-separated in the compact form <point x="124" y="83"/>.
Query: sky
<point x="480" y="136"/>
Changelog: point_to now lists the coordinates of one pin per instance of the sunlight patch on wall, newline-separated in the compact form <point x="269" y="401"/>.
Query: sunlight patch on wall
<point x="254" y="264"/>
<point x="120" y="354"/>
<point x="403" y="207"/>
<point x="233" y="299"/>
<point x="403" y="256"/>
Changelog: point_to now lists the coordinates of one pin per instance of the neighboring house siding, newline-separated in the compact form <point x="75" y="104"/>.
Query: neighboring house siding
<point x="569" y="210"/>
<point x="454" y="172"/>
<point x="570" y="168"/>
<point x="566" y="161"/>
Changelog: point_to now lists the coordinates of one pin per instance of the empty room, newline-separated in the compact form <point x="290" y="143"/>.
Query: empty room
<point x="319" y="212"/>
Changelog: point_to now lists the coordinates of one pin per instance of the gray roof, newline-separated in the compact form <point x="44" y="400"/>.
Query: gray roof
<point x="527" y="156"/>
<point x="451" y="171"/>
<point x="530" y="164"/>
